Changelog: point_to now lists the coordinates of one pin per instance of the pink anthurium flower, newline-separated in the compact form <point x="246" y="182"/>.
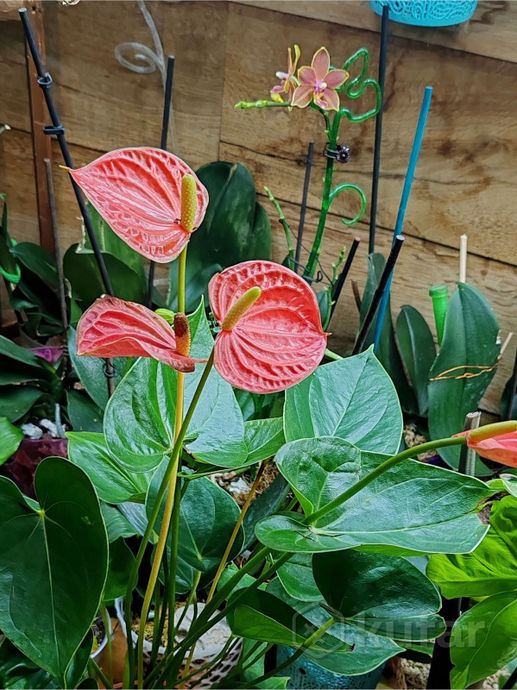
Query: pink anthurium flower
<point x="271" y="336"/>
<point x="112" y="327"/>
<point x="497" y="442"/>
<point x="288" y="80"/>
<point x="138" y="193"/>
<point x="318" y="83"/>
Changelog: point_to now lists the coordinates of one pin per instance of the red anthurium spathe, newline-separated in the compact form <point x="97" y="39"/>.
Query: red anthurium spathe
<point x="138" y="193"/>
<point x="278" y="340"/>
<point x="497" y="442"/>
<point x="112" y="327"/>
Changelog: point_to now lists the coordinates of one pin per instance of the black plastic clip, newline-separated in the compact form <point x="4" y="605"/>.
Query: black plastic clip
<point x="109" y="370"/>
<point x="341" y="153"/>
<point x="51" y="130"/>
<point x="45" y="81"/>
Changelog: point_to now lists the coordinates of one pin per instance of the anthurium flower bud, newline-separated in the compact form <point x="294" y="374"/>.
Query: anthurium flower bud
<point x="182" y="333"/>
<point x="497" y="442"/>
<point x="271" y="336"/>
<point x="188" y="202"/>
<point x="112" y="327"/>
<point x="139" y="193"/>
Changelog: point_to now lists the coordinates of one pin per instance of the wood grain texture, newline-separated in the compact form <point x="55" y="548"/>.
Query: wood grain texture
<point x="491" y="31"/>
<point x="104" y="105"/>
<point x="466" y="172"/>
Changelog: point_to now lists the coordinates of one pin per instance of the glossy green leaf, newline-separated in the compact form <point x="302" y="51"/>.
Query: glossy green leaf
<point x="10" y="439"/>
<point x="207" y="518"/>
<point x="386" y="595"/>
<point x="8" y="266"/>
<point x="368" y="651"/>
<point x="417" y="349"/>
<point x="113" y="482"/>
<point x="469" y="342"/>
<point x="387" y="350"/>
<point x="54" y="564"/>
<point x="83" y="413"/>
<point x="263" y="438"/>
<point x="319" y="470"/>
<point x="297" y="578"/>
<point x="139" y="419"/>
<point x="266" y="503"/>
<point x="264" y="617"/>
<point x="353" y="399"/>
<point x="120" y="562"/>
<point x="16" y="401"/>
<point x="117" y="524"/>
<point x="484" y="639"/>
<point x="37" y="260"/>
<point x="489" y="569"/>
<point x="10" y="350"/>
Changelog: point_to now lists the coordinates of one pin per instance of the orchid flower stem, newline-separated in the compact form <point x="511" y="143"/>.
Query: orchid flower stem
<point x="307" y="644"/>
<point x="332" y="136"/>
<point x="159" y="498"/>
<point x="236" y="530"/>
<point x="383" y="467"/>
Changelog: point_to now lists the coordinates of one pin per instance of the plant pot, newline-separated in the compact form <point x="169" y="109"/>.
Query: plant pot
<point x="102" y="644"/>
<point x="22" y="465"/>
<point x="427" y="12"/>
<point x="305" y="673"/>
<point x="207" y="647"/>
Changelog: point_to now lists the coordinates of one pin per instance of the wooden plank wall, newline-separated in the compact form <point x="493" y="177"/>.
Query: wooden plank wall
<point x="227" y="51"/>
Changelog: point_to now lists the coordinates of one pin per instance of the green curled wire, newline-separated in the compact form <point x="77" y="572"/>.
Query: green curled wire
<point x="345" y="186"/>
<point x="356" y="87"/>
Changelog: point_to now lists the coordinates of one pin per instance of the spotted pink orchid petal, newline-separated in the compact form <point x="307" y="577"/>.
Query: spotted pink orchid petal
<point x="501" y="448"/>
<point x="288" y="81"/>
<point x="138" y="193"/>
<point x="112" y="327"/>
<point x="318" y="83"/>
<point x="279" y="341"/>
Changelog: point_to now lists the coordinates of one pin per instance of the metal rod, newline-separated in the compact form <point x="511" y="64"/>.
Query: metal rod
<point x="303" y="207"/>
<point x="378" y="294"/>
<point x="166" y="116"/>
<point x="383" y="51"/>
<point x="45" y="82"/>
<point x="57" y="249"/>
<point x="344" y="273"/>
<point x="406" y="193"/>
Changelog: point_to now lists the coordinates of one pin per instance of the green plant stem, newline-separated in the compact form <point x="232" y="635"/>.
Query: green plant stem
<point x="289" y="239"/>
<point x="156" y="508"/>
<point x="236" y="530"/>
<point x="107" y="629"/>
<point x="332" y="137"/>
<point x="383" y="467"/>
<point x="297" y="654"/>
<point x="175" y="531"/>
<point x="182" y="274"/>
<point x="95" y="670"/>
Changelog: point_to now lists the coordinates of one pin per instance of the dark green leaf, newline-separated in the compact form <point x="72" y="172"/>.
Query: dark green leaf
<point x="297" y="578"/>
<point x="16" y="401"/>
<point x="113" y="482"/>
<point x="54" y="563"/>
<point x="385" y="595"/>
<point x="353" y="399"/>
<point x="10" y="439"/>
<point x="265" y="504"/>
<point x="117" y="525"/>
<point x="121" y="561"/>
<point x="442" y="514"/>
<point x="83" y="413"/>
<point x="465" y="366"/>
<point x="8" y="266"/>
<point x="38" y="261"/>
<point x="484" y="639"/>
<point x="263" y="438"/>
<point x="417" y="349"/>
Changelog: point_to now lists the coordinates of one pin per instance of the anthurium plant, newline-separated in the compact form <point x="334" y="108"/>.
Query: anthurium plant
<point x="133" y="515"/>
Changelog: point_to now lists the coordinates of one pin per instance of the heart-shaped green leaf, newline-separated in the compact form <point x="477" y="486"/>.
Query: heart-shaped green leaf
<point x="113" y="482"/>
<point x="386" y="595"/>
<point x="10" y="439"/>
<point x="484" y="639"/>
<point x="353" y="399"/>
<point x="54" y="562"/>
<point x="489" y="569"/>
<point x="297" y="578"/>
<point x="263" y="438"/>
<point x="139" y="418"/>
<point x="366" y="650"/>
<point x="442" y="514"/>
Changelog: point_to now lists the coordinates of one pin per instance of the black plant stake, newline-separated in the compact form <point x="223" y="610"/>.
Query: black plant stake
<point x="378" y="294"/>
<point x="513" y="389"/>
<point x="378" y="128"/>
<point x="167" y="104"/>
<point x="57" y="249"/>
<point x="303" y="207"/>
<point x="57" y="130"/>
<point x="344" y="273"/>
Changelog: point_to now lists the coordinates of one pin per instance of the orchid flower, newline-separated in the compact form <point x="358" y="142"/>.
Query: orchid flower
<point x="497" y="442"/>
<point x="138" y="191"/>
<point x="288" y="80"/>
<point x="271" y="336"/>
<point x="112" y="327"/>
<point x="318" y="83"/>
